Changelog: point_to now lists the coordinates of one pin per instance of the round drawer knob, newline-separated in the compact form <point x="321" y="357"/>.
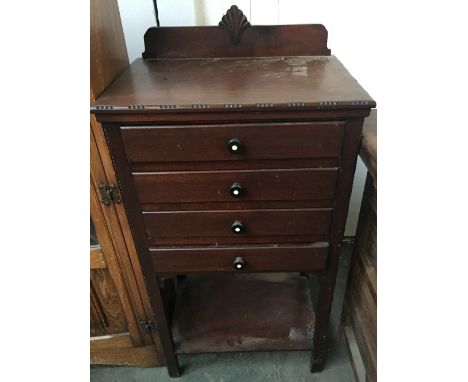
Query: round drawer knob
<point x="236" y="190"/>
<point x="238" y="263"/>
<point x="235" y="146"/>
<point x="237" y="227"/>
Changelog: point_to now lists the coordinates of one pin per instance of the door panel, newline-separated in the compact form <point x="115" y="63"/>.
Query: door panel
<point x="107" y="316"/>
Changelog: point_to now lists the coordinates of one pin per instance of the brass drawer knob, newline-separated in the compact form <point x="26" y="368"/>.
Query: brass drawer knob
<point x="236" y="190"/>
<point x="235" y="146"/>
<point x="238" y="263"/>
<point x="238" y="227"/>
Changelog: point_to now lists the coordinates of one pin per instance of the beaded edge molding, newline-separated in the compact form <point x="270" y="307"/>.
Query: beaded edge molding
<point x="262" y="105"/>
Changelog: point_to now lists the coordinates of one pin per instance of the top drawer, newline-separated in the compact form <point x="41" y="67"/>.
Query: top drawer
<point x="233" y="142"/>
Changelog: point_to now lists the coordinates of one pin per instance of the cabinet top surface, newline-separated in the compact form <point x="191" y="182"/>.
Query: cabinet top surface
<point x="213" y="83"/>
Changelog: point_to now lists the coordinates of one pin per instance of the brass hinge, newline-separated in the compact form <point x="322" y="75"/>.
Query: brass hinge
<point x="147" y="326"/>
<point x="109" y="194"/>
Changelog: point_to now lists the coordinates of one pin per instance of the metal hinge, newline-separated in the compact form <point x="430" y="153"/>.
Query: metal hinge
<point x="109" y="194"/>
<point x="147" y="326"/>
<point x="348" y="241"/>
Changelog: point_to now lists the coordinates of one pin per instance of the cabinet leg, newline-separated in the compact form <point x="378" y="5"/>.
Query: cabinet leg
<point x="173" y="367"/>
<point x="322" y="317"/>
<point x="164" y="329"/>
<point x="316" y="364"/>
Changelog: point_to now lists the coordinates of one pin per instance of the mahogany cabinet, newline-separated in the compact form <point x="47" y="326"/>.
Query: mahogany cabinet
<point x="235" y="148"/>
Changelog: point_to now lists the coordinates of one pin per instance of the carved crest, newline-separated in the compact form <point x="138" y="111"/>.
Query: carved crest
<point x="235" y="22"/>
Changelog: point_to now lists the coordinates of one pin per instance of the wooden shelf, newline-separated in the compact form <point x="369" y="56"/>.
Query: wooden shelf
<point x="243" y="312"/>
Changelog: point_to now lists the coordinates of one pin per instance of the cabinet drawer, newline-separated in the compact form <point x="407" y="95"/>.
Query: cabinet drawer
<point x="215" y="186"/>
<point x="248" y="141"/>
<point x="255" y="258"/>
<point x="242" y="225"/>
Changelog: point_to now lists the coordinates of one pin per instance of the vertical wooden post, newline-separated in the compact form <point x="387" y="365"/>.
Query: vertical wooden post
<point x="351" y="144"/>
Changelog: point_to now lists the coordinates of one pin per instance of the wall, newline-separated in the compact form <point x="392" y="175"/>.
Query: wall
<point x="349" y="38"/>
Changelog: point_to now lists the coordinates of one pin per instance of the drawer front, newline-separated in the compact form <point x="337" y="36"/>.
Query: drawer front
<point x="254" y="259"/>
<point x="255" y="185"/>
<point x="242" y="225"/>
<point x="233" y="142"/>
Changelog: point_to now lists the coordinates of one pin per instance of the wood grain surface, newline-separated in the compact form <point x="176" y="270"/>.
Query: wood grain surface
<point x="216" y="225"/>
<point x="361" y="299"/>
<point x="259" y="258"/>
<point x="258" y="185"/>
<point x="108" y="50"/>
<point x="253" y="83"/>
<point x="243" y="312"/>
<point x="118" y="349"/>
<point x="105" y="304"/>
<point x="210" y="142"/>
<point x="97" y="260"/>
<point x="255" y="41"/>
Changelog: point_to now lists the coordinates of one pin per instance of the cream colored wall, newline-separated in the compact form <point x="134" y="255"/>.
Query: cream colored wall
<point x="349" y="38"/>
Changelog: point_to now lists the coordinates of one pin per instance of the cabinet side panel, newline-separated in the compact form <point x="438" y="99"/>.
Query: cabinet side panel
<point x="132" y="207"/>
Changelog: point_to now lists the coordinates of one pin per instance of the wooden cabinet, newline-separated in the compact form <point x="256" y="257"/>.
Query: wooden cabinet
<point x="235" y="149"/>
<point x="360" y="309"/>
<point x="120" y="306"/>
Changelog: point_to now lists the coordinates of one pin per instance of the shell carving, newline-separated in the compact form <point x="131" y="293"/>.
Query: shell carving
<point x="235" y="22"/>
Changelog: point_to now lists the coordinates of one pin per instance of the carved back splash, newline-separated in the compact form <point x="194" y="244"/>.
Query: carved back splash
<point x="235" y="37"/>
<point x="234" y="21"/>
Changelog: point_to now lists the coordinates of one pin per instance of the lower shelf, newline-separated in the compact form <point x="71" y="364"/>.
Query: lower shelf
<point x="243" y="312"/>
